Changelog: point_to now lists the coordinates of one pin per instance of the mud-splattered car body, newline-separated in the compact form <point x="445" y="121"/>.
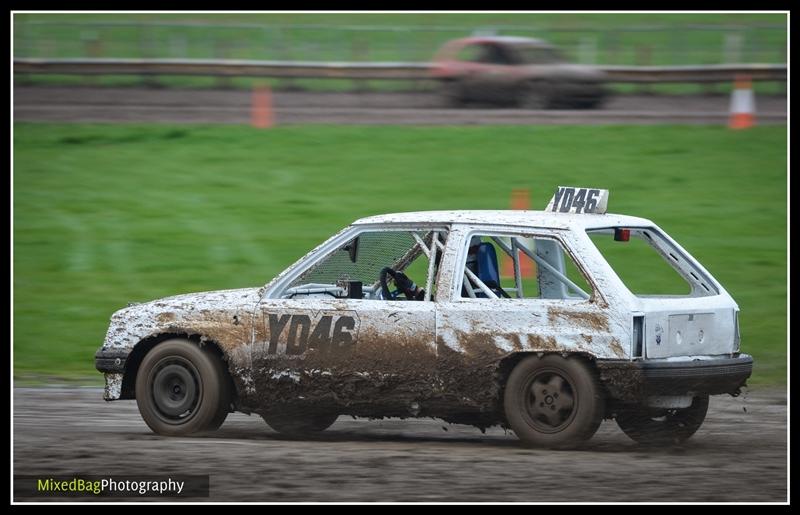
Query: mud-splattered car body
<point x="320" y="337"/>
<point x="507" y="70"/>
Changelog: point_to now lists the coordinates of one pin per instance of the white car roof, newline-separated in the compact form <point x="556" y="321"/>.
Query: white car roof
<point x="513" y="218"/>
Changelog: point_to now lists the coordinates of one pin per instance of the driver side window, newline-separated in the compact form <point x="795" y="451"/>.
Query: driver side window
<point x="385" y="264"/>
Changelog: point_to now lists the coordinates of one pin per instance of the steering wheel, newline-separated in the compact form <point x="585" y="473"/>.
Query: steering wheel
<point x="383" y="278"/>
<point x="403" y="284"/>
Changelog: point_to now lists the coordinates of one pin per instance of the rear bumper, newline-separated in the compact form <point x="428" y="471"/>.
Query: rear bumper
<point x="636" y="380"/>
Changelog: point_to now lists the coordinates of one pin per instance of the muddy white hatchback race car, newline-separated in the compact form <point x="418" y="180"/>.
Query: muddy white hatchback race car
<point x="572" y="324"/>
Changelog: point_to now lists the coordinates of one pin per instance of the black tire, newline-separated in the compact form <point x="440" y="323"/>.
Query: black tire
<point x="591" y="103"/>
<point x="296" y="422"/>
<point x="553" y="402"/>
<point x="534" y="95"/>
<point x="452" y="93"/>
<point x="182" y="389"/>
<point x="663" y="426"/>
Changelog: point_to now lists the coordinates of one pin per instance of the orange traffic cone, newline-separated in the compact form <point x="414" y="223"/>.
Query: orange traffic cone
<point x="743" y="105"/>
<point x="520" y="199"/>
<point x="261" y="111"/>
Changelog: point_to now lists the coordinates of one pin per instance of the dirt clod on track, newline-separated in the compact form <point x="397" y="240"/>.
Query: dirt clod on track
<point x="740" y="454"/>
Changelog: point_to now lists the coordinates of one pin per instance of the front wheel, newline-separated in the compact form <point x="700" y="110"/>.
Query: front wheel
<point x="553" y="402"/>
<point x="182" y="388"/>
<point x="452" y="93"/>
<point x="663" y="426"/>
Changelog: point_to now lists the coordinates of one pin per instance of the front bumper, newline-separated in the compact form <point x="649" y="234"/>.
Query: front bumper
<point x="637" y="380"/>
<point x="112" y="364"/>
<point x="110" y="361"/>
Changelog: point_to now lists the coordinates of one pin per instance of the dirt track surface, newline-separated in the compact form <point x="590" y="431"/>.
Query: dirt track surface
<point x="86" y="104"/>
<point x="740" y="454"/>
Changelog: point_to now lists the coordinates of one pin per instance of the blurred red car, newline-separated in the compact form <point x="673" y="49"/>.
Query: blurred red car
<point x="527" y="72"/>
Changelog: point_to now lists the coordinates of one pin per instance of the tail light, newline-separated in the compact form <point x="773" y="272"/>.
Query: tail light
<point x="736" y="337"/>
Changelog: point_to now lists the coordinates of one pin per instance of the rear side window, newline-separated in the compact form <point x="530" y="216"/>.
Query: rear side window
<point x="649" y="265"/>
<point x="519" y="266"/>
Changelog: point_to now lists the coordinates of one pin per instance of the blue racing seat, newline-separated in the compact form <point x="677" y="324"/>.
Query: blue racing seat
<point x="488" y="271"/>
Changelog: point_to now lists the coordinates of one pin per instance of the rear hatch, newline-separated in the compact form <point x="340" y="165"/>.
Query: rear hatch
<point x="680" y="310"/>
<point x="682" y="330"/>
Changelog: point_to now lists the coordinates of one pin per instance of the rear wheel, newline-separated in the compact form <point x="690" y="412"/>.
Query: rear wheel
<point x="663" y="426"/>
<point x="553" y="401"/>
<point x="297" y="422"/>
<point x="182" y="389"/>
<point x="534" y="95"/>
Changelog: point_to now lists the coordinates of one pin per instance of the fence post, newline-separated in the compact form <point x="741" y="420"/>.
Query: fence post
<point x="222" y="51"/>
<point x="587" y="50"/>
<point x="147" y="50"/>
<point x="92" y="47"/>
<point x="26" y="51"/>
<point x="676" y="47"/>
<point x="360" y="52"/>
<point x="644" y="57"/>
<point x="731" y="54"/>
<point x="431" y="45"/>
<point x="46" y="48"/>
<point x="613" y="48"/>
<point x="732" y="51"/>
<point x="283" y="50"/>
<point x="178" y="46"/>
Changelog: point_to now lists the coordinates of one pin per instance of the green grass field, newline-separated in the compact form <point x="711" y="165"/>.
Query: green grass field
<point x="107" y="214"/>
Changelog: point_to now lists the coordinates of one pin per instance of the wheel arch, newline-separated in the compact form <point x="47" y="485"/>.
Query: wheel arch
<point x="570" y="430"/>
<point x="451" y="88"/>
<point x="507" y="364"/>
<point x="144" y="346"/>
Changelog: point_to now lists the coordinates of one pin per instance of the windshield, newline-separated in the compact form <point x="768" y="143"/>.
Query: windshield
<point x="361" y="266"/>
